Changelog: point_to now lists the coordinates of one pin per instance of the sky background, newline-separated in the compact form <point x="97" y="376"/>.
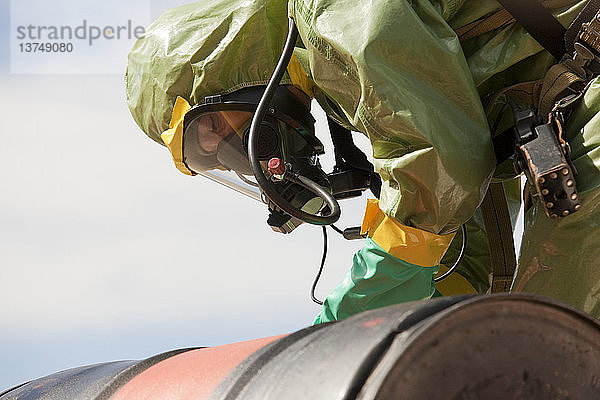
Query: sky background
<point x="85" y="23"/>
<point x="107" y="252"/>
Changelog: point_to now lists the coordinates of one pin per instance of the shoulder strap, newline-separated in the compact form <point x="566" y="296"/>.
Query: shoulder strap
<point x="484" y="25"/>
<point x="501" y="18"/>
<point x="540" y="24"/>
<point x="498" y="228"/>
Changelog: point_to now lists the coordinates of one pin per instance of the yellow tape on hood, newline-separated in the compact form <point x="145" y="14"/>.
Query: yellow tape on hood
<point x="173" y="137"/>
<point x="299" y="78"/>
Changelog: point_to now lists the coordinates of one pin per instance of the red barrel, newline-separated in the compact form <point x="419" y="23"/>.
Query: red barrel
<point x="510" y="347"/>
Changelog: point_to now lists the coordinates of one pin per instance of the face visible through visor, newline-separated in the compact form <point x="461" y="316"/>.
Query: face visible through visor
<point x="213" y="139"/>
<point x="212" y="127"/>
<point x="215" y="133"/>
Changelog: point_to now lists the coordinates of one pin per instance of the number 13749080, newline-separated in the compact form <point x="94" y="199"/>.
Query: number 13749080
<point x="35" y="47"/>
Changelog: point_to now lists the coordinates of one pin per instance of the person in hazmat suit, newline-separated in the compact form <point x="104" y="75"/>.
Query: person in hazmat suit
<point x="414" y="77"/>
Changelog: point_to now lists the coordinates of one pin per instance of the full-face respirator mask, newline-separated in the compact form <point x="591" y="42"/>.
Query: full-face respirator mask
<point x="260" y="141"/>
<point x="215" y="143"/>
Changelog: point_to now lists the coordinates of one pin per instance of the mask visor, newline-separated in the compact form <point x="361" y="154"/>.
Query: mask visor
<point x="213" y="139"/>
<point x="238" y="182"/>
<point x="212" y="147"/>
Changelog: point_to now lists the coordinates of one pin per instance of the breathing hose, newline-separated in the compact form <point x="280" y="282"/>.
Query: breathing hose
<point x="266" y="186"/>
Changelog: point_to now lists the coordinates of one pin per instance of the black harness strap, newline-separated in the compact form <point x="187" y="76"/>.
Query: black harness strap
<point x="344" y="149"/>
<point x="349" y="157"/>
<point x="504" y="145"/>
<point x="540" y="24"/>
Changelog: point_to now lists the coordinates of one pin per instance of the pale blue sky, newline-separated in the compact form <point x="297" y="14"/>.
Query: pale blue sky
<point x="91" y="52"/>
<point x="107" y="252"/>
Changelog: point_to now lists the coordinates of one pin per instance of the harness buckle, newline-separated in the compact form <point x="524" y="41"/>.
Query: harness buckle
<point x="544" y="156"/>
<point x="586" y="58"/>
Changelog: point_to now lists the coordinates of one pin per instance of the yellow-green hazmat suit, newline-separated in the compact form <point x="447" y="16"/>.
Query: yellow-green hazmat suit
<point x="397" y="72"/>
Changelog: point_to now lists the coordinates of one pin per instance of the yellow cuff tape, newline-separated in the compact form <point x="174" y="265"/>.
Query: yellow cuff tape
<point x="409" y="244"/>
<point x="173" y="137"/>
<point x="299" y="77"/>
<point x="454" y="284"/>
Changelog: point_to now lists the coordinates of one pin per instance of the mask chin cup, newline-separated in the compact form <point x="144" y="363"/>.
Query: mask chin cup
<point x="231" y="155"/>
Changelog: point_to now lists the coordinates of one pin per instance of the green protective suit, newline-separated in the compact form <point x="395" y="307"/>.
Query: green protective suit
<point x="561" y="258"/>
<point x="395" y="71"/>
<point x="202" y="49"/>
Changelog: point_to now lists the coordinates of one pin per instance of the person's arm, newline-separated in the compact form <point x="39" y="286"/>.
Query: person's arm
<point x="397" y="71"/>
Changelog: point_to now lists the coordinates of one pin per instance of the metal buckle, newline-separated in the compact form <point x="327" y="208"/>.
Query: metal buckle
<point x="544" y="156"/>
<point x="587" y="48"/>
<point x="582" y="58"/>
<point x="590" y="33"/>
